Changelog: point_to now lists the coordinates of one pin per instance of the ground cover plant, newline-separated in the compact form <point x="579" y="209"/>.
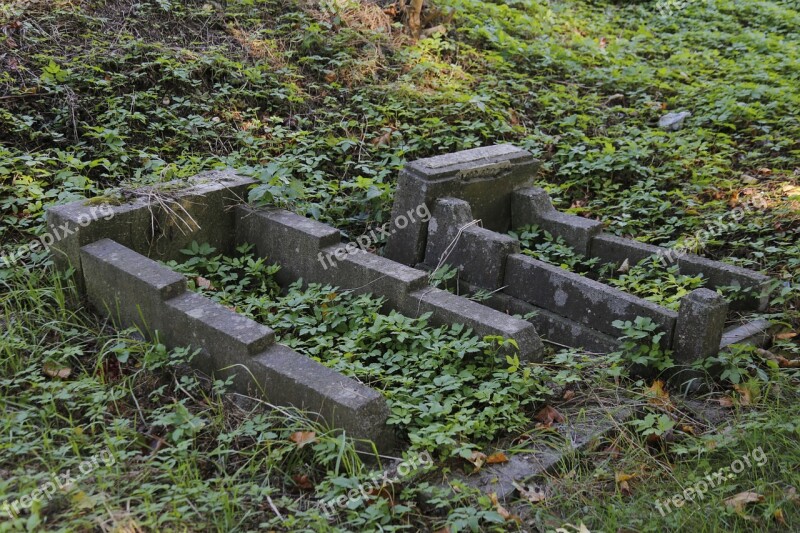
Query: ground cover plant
<point x="323" y="103"/>
<point x="652" y="279"/>
<point x="472" y="393"/>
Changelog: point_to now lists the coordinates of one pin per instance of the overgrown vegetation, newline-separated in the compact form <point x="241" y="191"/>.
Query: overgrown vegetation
<point x="472" y="393"/>
<point x="652" y="279"/>
<point x="324" y="103"/>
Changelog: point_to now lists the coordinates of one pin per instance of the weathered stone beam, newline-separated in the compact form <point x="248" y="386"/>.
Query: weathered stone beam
<point x="613" y="249"/>
<point x="756" y="333"/>
<point x="478" y="254"/>
<point x="288" y="378"/>
<point x="157" y="222"/>
<point x="127" y="287"/>
<point x="550" y="326"/>
<point x="532" y="205"/>
<point x="447" y="308"/>
<point x="581" y="299"/>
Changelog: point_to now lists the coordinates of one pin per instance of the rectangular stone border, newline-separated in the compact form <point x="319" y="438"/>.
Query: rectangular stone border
<point x="581" y="299"/>
<point x="134" y="291"/>
<point x="156" y="222"/>
<point x="570" y="309"/>
<point x="109" y="256"/>
<point x="404" y="288"/>
<point x="533" y="206"/>
<point x="616" y="250"/>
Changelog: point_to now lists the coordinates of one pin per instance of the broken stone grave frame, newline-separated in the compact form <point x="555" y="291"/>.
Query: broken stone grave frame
<point x="115" y="265"/>
<point x="477" y="196"/>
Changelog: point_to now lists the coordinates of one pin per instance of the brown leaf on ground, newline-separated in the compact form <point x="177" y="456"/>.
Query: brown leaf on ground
<point x="531" y="493"/>
<point x="745" y="395"/>
<point x="496" y="458"/>
<point x="568" y="395"/>
<point x="383" y="139"/>
<point x="53" y="370"/>
<point x="725" y="401"/>
<point x="657" y="395"/>
<point x="778" y="514"/>
<point x="621" y="477"/>
<point x="477" y="459"/>
<point x="548" y="415"/>
<point x="786" y="335"/>
<point x="782" y="361"/>
<point x="743" y="498"/>
<point x="624" y="488"/>
<point x="502" y="511"/>
<point x="301" y="438"/>
<point x="204" y="283"/>
<point x="686" y="428"/>
<point x="303" y="481"/>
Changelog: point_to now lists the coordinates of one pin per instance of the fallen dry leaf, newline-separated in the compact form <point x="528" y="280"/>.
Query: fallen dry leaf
<point x="786" y="335"/>
<point x="383" y="139"/>
<point x="779" y="359"/>
<point x="477" y="459"/>
<point x="568" y="395"/>
<point x="531" y="493"/>
<point x="203" y="283"/>
<point x="53" y="370"/>
<point x="745" y="396"/>
<point x="548" y="415"/>
<point x="502" y="511"/>
<point x="733" y="201"/>
<point x="686" y="428"/>
<point x="301" y="438"/>
<point x="743" y="498"/>
<point x="496" y="458"/>
<point x="621" y="477"/>
<point x="624" y="488"/>
<point x="778" y="514"/>
<point x="303" y="481"/>
<point x="657" y="395"/>
<point x="726" y="401"/>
